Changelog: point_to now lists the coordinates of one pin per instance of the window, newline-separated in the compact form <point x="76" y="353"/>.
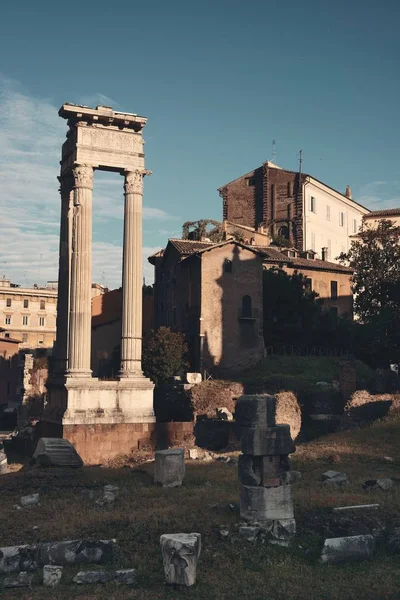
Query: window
<point x="246" y="307"/>
<point x="227" y="266"/>
<point x="26" y="303"/>
<point x="24" y="338"/>
<point x="41" y="339"/>
<point x="251" y="182"/>
<point x="334" y="290"/>
<point x="341" y="219"/>
<point x="313" y="204"/>
<point x="354" y="226"/>
<point x="25" y="320"/>
<point x="41" y="321"/>
<point x="7" y="335"/>
<point x="8" y="320"/>
<point x="42" y="304"/>
<point x="328" y="212"/>
<point x="8" y="302"/>
<point x="291" y="253"/>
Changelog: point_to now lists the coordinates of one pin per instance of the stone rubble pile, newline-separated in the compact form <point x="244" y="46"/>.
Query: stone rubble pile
<point x="266" y="493"/>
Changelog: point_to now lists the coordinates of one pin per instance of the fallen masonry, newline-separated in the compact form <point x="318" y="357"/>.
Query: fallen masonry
<point x="31" y="500"/>
<point x="56" y="452"/>
<point x="72" y="552"/>
<point x="180" y="552"/>
<point x="263" y="468"/>
<point x="23" y="579"/>
<point x="122" y="577"/>
<point x="52" y="575"/>
<point x="334" y="478"/>
<point x="383" y="484"/>
<point x="355" y="547"/>
<point x="356" y="507"/>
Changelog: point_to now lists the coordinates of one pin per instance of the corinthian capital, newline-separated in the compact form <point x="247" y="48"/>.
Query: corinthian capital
<point x="83" y="176"/>
<point x="134" y="182"/>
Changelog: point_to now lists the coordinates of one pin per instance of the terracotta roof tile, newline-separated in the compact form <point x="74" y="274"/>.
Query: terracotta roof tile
<point x="385" y="212"/>
<point x="188" y="247"/>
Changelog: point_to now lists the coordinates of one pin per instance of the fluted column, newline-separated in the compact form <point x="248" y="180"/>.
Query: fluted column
<point x="131" y="345"/>
<point x="80" y="315"/>
<point x="64" y="274"/>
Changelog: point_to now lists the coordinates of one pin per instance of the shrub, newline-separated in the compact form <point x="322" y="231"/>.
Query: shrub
<point x="164" y="355"/>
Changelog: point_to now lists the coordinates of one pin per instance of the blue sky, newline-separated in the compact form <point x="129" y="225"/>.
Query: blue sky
<point x="218" y="82"/>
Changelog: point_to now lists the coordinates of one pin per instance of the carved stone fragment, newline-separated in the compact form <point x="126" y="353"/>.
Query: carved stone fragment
<point x="355" y="547"/>
<point x="169" y="467"/>
<point x="52" y="575"/>
<point x="180" y="555"/>
<point x="56" y="452"/>
<point x="23" y="579"/>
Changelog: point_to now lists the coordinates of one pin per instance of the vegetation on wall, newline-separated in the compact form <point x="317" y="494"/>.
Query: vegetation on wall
<point x="164" y="355"/>
<point x="200" y="230"/>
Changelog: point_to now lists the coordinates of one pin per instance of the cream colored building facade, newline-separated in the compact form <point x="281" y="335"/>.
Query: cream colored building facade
<point x="29" y="314"/>
<point x="388" y="214"/>
<point x="329" y="219"/>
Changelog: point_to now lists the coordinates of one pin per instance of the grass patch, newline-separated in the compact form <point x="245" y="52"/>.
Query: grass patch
<point x="229" y="568"/>
<point x="300" y="373"/>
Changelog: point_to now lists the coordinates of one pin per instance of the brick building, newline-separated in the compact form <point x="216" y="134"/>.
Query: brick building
<point x="214" y="294"/>
<point x="309" y="214"/>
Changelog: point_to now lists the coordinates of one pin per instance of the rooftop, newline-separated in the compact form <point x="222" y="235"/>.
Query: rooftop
<point x="385" y="212"/>
<point x="101" y="114"/>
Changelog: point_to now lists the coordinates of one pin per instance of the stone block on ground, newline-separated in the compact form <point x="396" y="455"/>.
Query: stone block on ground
<point x="110" y="493"/>
<point x="169" y="467"/>
<point x="180" y="553"/>
<point x="125" y="576"/>
<point x="193" y="378"/>
<point x="92" y="577"/>
<point x="266" y="441"/>
<point x="249" y="533"/>
<point x="256" y="410"/>
<point x="343" y="549"/>
<point x="52" y="575"/>
<point x="23" y="579"/>
<point x="31" y="500"/>
<point x="334" y="478"/>
<point x="266" y="504"/>
<point x="76" y="552"/>
<point x="283" y="529"/>
<point x="17" y="558"/>
<point x="56" y="452"/>
<point x="384" y="484"/>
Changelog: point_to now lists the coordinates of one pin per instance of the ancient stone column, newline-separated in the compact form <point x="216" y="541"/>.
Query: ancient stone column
<point x="61" y="345"/>
<point x="131" y="346"/>
<point x="80" y="315"/>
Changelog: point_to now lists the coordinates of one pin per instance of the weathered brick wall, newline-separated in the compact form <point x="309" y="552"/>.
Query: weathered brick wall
<point x="242" y="203"/>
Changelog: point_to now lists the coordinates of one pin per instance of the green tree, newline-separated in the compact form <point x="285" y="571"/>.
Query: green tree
<point x="164" y="355"/>
<point x="375" y="258"/>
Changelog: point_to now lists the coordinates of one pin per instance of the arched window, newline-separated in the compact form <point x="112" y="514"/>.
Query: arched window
<point x="246" y="307"/>
<point x="283" y="232"/>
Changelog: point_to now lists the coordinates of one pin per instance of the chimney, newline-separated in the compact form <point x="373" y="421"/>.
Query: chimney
<point x="348" y="193"/>
<point x="324" y="253"/>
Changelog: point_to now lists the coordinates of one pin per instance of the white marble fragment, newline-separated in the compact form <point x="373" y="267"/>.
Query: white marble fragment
<point x="52" y="575"/>
<point x="354" y="547"/>
<point x="180" y="555"/>
<point x="31" y="500"/>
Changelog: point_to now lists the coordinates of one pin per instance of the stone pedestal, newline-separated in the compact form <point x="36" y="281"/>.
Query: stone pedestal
<point x="169" y="467"/>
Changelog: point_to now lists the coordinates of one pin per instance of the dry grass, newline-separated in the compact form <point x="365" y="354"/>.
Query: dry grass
<point x="228" y="569"/>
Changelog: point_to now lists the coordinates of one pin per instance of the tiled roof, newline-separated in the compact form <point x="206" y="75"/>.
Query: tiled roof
<point x="188" y="247"/>
<point x="273" y="255"/>
<point x="385" y="212"/>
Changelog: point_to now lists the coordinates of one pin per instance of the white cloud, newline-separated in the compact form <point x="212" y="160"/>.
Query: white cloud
<point x="379" y="194"/>
<point x="31" y="135"/>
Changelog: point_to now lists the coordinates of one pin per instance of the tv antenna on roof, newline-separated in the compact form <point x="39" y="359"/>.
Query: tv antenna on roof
<point x="300" y="161"/>
<point x="273" y="151"/>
